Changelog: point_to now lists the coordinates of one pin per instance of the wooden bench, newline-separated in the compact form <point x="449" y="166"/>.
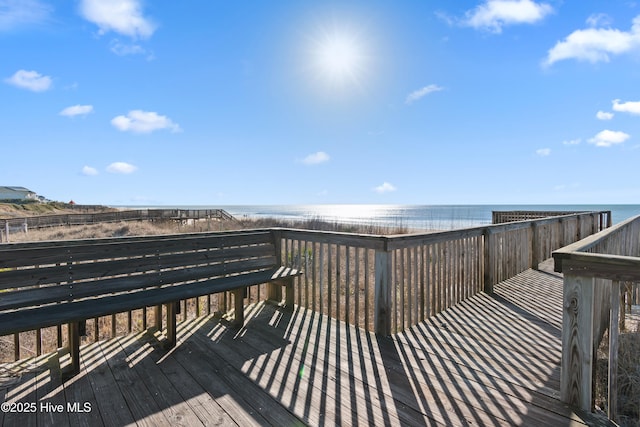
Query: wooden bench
<point x="46" y="284"/>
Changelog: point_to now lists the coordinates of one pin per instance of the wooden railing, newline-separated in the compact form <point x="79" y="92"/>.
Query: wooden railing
<point x="389" y="283"/>
<point x="381" y="283"/>
<point x="500" y="217"/>
<point x="595" y="270"/>
<point x="25" y="223"/>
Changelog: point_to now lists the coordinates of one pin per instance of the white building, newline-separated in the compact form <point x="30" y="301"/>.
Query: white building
<point x="17" y="193"/>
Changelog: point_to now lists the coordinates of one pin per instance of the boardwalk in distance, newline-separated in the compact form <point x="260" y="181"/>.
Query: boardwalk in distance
<point x="491" y="360"/>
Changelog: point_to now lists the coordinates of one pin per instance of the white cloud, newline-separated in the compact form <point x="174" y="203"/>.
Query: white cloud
<point x="31" y="80"/>
<point x="139" y="121"/>
<point x="492" y="15"/>
<point x="631" y="107"/>
<point x="120" y="16"/>
<point x="607" y="138"/>
<point x="76" y="110"/>
<point x="316" y="158"/>
<point x="415" y="95"/>
<point x="543" y="152"/>
<point x="385" y="187"/>
<point x="596" y="44"/>
<point x="89" y="171"/>
<point x="121" y="168"/>
<point x="123" y="49"/>
<point x="599" y="20"/>
<point x="604" y="115"/>
<point x="16" y="13"/>
<point x="572" y="141"/>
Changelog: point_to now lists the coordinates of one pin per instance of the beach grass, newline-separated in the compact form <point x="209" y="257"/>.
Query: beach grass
<point x="152" y="228"/>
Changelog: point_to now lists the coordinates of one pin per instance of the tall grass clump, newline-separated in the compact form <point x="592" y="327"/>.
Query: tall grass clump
<point x="317" y="223"/>
<point x="628" y="376"/>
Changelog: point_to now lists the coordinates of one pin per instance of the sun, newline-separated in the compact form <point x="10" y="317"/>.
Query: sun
<point x="339" y="57"/>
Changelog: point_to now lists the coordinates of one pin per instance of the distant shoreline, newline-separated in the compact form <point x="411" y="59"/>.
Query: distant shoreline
<point x="424" y="217"/>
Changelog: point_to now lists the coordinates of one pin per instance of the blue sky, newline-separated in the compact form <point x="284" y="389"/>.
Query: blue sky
<point x="125" y="102"/>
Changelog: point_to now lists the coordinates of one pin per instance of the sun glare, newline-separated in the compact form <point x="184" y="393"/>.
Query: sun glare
<point x="339" y="58"/>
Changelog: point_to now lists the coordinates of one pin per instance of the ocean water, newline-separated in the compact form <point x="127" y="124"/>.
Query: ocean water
<point x="420" y="217"/>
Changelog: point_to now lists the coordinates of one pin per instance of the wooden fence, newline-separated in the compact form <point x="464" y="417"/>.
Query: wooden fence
<point x="389" y="283"/>
<point x="500" y="217"/>
<point x="597" y="271"/>
<point x="45" y="221"/>
<point x="381" y="283"/>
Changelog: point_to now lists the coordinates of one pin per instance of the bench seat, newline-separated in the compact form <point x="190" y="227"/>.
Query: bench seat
<point x="41" y="316"/>
<point x="46" y="284"/>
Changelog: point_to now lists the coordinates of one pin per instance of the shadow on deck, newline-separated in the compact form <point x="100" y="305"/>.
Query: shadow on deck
<point x="491" y="360"/>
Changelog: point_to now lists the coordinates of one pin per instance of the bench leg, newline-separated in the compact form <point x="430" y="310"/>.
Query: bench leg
<point x="238" y="301"/>
<point x="171" y="324"/>
<point x="73" y="329"/>
<point x="288" y="302"/>
<point x="274" y="291"/>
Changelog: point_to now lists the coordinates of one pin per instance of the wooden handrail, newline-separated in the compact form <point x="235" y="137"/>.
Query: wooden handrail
<point x="593" y="270"/>
<point x="427" y="271"/>
<point x="399" y="241"/>
<point x="591" y="241"/>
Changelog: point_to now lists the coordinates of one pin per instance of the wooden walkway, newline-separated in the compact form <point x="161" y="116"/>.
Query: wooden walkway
<point x="492" y="360"/>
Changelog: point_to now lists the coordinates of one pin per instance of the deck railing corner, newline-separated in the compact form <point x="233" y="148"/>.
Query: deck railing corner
<point x="594" y="271"/>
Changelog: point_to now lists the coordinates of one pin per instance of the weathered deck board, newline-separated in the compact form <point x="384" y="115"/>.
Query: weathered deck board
<point x="165" y="394"/>
<point x="47" y="382"/>
<point x="110" y="402"/>
<point x="491" y="360"/>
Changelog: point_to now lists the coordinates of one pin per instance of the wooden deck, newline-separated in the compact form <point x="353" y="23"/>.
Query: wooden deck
<point x="491" y="360"/>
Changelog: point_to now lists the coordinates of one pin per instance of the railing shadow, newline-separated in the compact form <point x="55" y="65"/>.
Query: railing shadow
<point x="133" y="379"/>
<point x="490" y="360"/>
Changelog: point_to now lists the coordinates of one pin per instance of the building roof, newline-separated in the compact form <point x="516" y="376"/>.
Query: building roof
<point x="17" y="189"/>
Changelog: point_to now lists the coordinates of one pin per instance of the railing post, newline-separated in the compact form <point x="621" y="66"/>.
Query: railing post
<point x="576" y="381"/>
<point x="535" y="245"/>
<point x="382" y="315"/>
<point x="274" y="290"/>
